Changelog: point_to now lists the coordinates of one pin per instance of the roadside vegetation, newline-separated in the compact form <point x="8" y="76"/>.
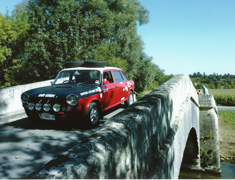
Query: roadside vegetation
<point x="229" y="118"/>
<point x="227" y="135"/>
<point x="223" y="97"/>
<point x="213" y="81"/>
<point x="222" y="87"/>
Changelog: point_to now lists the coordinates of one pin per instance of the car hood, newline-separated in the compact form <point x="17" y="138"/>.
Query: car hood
<point x="61" y="91"/>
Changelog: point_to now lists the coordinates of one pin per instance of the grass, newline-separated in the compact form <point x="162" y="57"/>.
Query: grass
<point x="227" y="135"/>
<point x="228" y="117"/>
<point x="222" y="92"/>
<point x="142" y="94"/>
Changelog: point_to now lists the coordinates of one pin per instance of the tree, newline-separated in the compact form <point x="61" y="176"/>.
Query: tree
<point x="68" y="30"/>
<point x="214" y="81"/>
<point x="40" y="36"/>
<point x="7" y="35"/>
<point x="13" y="30"/>
<point x="105" y="54"/>
<point x="19" y="20"/>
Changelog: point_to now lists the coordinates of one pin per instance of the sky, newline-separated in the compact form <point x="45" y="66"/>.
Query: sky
<point x="185" y="36"/>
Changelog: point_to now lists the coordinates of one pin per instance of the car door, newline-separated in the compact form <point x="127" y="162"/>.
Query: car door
<point x="109" y="90"/>
<point x="120" y="86"/>
<point x="126" y="84"/>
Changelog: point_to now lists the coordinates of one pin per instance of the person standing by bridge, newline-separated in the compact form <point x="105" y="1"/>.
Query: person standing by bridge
<point x="205" y="90"/>
<point x="199" y="92"/>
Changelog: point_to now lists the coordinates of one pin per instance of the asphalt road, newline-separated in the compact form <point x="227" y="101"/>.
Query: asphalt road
<point x="225" y="108"/>
<point x="25" y="147"/>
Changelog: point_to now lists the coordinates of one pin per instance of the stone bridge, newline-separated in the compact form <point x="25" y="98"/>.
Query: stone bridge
<point x="170" y="128"/>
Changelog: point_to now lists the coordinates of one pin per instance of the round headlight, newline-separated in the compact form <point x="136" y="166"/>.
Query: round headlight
<point x="24" y="97"/>
<point x="47" y="107"/>
<point x="72" y="99"/>
<point x="56" y="107"/>
<point x="31" y="106"/>
<point x="38" y="106"/>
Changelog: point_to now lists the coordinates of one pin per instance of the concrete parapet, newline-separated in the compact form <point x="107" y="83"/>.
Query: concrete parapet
<point x="209" y="139"/>
<point x="10" y="97"/>
<point x="145" y="140"/>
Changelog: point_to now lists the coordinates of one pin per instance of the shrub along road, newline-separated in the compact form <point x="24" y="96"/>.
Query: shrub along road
<point x="227" y="133"/>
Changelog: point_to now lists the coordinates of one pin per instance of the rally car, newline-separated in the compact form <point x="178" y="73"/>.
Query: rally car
<point x="80" y="92"/>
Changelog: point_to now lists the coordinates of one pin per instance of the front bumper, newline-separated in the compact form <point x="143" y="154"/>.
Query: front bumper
<point x="34" y="115"/>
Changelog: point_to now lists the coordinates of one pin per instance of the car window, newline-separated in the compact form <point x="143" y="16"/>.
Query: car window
<point x="124" y="76"/>
<point x="78" y="76"/>
<point x="107" y="77"/>
<point x="118" y="77"/>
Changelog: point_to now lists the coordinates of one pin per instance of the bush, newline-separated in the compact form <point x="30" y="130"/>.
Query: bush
<point x="225" y="100"/>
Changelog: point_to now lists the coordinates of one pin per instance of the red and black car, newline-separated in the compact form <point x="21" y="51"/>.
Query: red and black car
<point x="81" y="92"/>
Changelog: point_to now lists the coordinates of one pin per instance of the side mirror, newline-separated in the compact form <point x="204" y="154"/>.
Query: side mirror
<point x="52" y="82"/>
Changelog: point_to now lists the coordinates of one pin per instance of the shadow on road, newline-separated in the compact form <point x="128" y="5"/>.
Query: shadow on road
<point x="25" y="123"/>
<point x="25" y="147"/>
<point x="45" y="125"/>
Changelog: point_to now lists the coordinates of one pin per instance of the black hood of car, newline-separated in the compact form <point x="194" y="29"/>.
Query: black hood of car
<point x="61" y="91"/>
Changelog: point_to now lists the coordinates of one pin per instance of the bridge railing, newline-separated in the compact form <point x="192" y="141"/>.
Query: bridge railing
<point x="10" y="100"/>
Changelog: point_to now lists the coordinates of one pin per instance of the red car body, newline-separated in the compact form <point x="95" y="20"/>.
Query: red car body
<point x="73" y="96"/>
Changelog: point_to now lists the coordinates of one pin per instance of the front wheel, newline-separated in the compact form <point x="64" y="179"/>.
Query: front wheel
<point x="130" y="100"/>
<point x="92" y="116"/>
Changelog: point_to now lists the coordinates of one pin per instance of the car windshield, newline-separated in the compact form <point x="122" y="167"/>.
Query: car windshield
<point x="78" y="77"/>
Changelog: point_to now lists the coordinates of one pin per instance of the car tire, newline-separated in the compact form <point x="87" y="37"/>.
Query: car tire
<point x="89" y="63"/>
<point x="74" y="64"/>
<point x="130" y="100"/>
<point x="92" y="116"/>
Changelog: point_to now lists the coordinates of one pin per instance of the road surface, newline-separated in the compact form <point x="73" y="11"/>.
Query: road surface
<point x="225" y="108"/>
<point x="25" y="148"/>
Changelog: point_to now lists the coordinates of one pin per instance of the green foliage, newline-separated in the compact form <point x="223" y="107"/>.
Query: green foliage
<point x="13" y="32"/>
<point x="213" y="81"/>
<point x="41" y="35"/>
<point x="225" y="100"/>
<point x="6" y="37"/>
<point x="69" y="30"/>
<point x="228" y="117"/>
<point x="104" y="53"/>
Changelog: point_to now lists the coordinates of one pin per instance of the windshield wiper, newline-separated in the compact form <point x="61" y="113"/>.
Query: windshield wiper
<point x="83" y="82"/>
<point x="88" y="82"/>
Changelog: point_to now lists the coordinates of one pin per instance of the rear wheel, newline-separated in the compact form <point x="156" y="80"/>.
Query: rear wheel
<point x="92" y="116"/>
<point x="130" y="100"/>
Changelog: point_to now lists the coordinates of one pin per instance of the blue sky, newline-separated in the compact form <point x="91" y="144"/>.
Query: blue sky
<point x="8" y="5"/>
<point x="185" y="36"/>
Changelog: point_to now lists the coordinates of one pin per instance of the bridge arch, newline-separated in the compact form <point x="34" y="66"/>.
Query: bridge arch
<point x="191" y="157"/>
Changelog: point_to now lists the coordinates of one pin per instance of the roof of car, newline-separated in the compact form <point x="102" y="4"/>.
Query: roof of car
<point x="93" y="68"/>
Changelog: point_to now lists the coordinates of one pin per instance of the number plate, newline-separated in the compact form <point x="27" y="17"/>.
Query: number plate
<point x="47" y="116"/>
